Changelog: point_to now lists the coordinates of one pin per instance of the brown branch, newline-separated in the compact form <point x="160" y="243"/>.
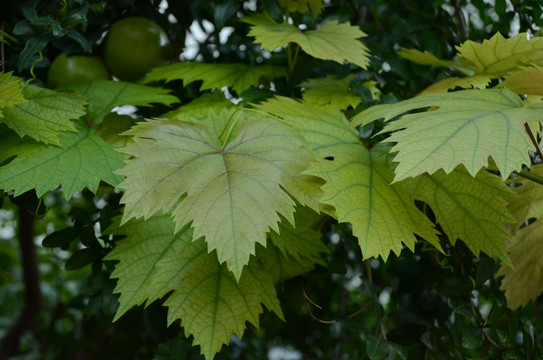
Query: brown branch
<point x="460" y="17"/>
<point x="9" y="345"/>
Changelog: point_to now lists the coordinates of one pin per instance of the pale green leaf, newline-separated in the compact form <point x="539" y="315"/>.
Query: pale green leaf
<point x="499" y="56"/>
<point x="238" y="76"/>
<point x="302" y="239"/>
<point x="104" y="95"/>
<point x="357" y="180"/>
<point x="527" y="81"/>
<point x="302" y="6"/>
<point x="476" y="82"/>
<point x="426" y="58"/>
<point x="383" y="216"/>
<point x="211" y="304"/>
<point x="45" y="114"/>
<point x="464" y="127"/>
<point x="333" y="91"/>
<point x="523" y="281"/>
<point x="199" y="108"/>
<point x="322" y="126"/>
<point x="10" y="91"/>
<point x="472" y="209"/>
<point x="332" y="41"/>
<point x="81" y="161"/>
<point x="230" y="186"/>
<point x="154" y="261"/>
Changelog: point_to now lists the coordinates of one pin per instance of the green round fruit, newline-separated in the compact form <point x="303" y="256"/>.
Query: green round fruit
<point x="134" y="46"/>
<point x="66" y="70"/>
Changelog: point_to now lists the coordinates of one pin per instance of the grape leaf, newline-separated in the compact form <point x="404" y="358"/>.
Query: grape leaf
<point x="140" y="280"/>
<point x="357" y="180"/>
<point x="513" y="53"/>
<point x="302" y="6"/>
<point x="104" y="95"/>
<point x="472" y="209"/>
<point x="238" y="76"/>
<point x="476" y="82"/>
<point x="154" y="261"/>
<point x="427" y="58"/>
<point x="229" y="187"/>
<point x="527" y="81"/>
<point x="333" y="91"/>
<point x="467" y="127"/>
<point x="81" y="160"/>
<point x="10" y="91"/>
<point x="200" y="107"/>
<point x="302" y="239"/>
<point x="44" y="115"/>
<point x="382" y="215"/>
<point x="523" y="280"/>
<point x="332" y="41"/>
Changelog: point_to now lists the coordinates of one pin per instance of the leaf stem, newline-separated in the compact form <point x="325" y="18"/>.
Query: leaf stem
<point x="530" y="176"/>
<point x="534" y="140"/>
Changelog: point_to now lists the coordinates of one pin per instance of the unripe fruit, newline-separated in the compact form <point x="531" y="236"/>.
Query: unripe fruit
<point x="134" y="46"/>
<point x="66" y="70"/>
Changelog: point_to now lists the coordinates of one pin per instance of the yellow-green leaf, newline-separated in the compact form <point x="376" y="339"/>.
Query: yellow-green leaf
<point x="472" y="209"/>
<point x="527" y="81"/>
<point x="45" y="114"/>
<point x="155" y="262"/>
<point x="302" y="6"/>
<point x="10" y="91"/>
<point x="383" y="216"/>
<point x="199" y="108"/>
<point x="229" y="174"/>
<point x="332" y="41"/>
<point x="464" y="127"/>
<point x="426" y="58"/>
<point x="523" y="281"/>
<point x="476" y="82"/>
<point x="333" y="91"/>
<point x="238" y="76"/>
<point x="499" y="56"/>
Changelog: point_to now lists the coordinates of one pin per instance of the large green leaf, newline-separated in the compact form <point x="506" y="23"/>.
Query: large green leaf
<point x="10" y="91"/>
<point x="383" y="216"/>
<point x="228" y="171"/>
<point x="357" y="180"/>
<point x="427" y="58"/>
<point x="499" y="56"/>
<point x="81" y="160"/>
<point x="45" y="114"/>
<point x="148" y="242"/>
<point x="472" y="209"/>
<point x="154" y="262"/>
<point x="104" y="95"/>
<point x="332" y="41"/>
<point x="464" y="127"/>
<point x="238" y="76"/>
<point x="523" y="281"/>
<point x="336" y="92"/>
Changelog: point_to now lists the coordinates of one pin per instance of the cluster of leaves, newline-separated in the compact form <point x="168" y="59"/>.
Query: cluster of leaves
<point x="228" y="195"/>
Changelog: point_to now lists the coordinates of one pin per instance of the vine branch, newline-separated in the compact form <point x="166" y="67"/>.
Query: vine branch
<point x="9" y="344"/>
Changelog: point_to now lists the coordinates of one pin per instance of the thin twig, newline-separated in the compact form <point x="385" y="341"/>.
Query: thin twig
<point x="307" y="300"/>
<point x="460" y="17"/>
<point x="368" y="271"/>
<point x="530" y="176"/>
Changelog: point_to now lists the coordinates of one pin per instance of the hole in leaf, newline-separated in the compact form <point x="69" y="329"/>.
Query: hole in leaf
<point x="329" y="158"/>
